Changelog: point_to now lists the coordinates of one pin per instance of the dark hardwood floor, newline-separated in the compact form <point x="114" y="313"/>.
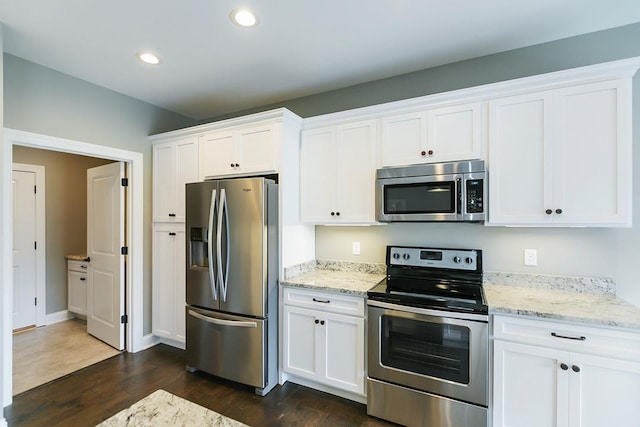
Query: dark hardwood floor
<point x="97" y="392"/>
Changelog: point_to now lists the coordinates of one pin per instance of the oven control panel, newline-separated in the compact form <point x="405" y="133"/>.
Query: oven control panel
<point x="453" y="259"/>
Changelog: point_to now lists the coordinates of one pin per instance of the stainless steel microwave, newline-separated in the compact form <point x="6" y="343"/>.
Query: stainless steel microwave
<point x="454" y="191"/>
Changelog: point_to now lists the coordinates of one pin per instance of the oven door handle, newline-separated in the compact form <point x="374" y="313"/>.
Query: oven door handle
<point x="428" y="312"/>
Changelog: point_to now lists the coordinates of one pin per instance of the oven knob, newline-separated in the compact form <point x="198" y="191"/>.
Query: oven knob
<point x="456" y="259"/>
<point x="396" y="256"/>
<point x="468" y="260"/>
<point x="406" y="256"/>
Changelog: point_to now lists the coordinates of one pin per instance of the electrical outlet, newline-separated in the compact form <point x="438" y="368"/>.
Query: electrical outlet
<point x="530" y="257"/>
<point x="355" y="248"/>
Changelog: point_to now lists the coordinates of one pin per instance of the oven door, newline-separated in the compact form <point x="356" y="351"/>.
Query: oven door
<point x="419" y="198"/>
<point x="420" y="349"/>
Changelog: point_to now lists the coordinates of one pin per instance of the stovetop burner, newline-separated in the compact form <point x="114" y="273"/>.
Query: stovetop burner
<point x="440" y="279"/>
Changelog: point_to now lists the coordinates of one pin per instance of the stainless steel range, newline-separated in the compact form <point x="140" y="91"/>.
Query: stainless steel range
<point x="428" y="339"/>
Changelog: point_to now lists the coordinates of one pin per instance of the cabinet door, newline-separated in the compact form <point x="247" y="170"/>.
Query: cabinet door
<point x="300" y="343"/>
<point x="168" y="289"/>
<point x="318" y="180"/>
<point x="519" y="140"/>
<point x="605" y="392"/>
<point x="343" y="357"/>
<point x="356" y="172"/>
<point x="175" y="163"/>
<point x="257" y="151"/>
<point x="164" y="182"/>
<point x="455" y="133"/>
<point x="404" y="139"/>
<point x="218" y="154"/>
<point x="186" y="172"/>
<point x="529" y="389"/>
<point x="77" y="289"/>
<point x="592" y="154"/>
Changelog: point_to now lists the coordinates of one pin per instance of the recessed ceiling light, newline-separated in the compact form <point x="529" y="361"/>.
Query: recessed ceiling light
<point x="243" y="17"/>
<point x="148" y="58"/>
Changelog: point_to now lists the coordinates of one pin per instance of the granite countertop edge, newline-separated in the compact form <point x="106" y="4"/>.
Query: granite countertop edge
<point x="604" y="310"/>
<point x="589" y="309"/>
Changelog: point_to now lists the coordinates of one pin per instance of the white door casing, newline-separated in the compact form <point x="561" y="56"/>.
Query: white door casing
<point x="136" y="339"/>
<point x="24" y="250"/>
<point x="105" y="237"/>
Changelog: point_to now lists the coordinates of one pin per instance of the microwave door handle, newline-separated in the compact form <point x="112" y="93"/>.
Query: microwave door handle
<point x="459" y="205"/>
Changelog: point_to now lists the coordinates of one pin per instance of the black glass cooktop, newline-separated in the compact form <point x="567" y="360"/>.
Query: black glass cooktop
<point x="432" y="293"/>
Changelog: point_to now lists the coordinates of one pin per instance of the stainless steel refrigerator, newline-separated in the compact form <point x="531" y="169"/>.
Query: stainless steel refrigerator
<point x="232" y="273"/>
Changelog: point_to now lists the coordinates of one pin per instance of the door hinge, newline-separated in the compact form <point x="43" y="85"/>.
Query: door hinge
<point x="35" y="246"/>
<point x="124" y="250"/>
<point x="35" y="191"/>
<point x="35" y="301"/>
<point x="124" y="319"/>
<point x="124" y="182"/>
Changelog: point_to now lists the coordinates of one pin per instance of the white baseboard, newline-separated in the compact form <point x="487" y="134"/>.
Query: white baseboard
<point x="173" y="343"/>
<point x="148" y="341"/>
<point x="57" y="317"/>
<point x="3" y="422"/>
<point x="328" y="389"/>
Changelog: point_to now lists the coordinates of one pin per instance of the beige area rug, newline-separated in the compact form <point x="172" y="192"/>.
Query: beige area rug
<point x="162" y="408"/>
<point x="44" y="354"/>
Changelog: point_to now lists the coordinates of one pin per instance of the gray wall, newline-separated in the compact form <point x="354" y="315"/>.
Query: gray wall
<point x="40" y="100"/>
<point x="66" y="213"/>
<point x="611" y="253"/>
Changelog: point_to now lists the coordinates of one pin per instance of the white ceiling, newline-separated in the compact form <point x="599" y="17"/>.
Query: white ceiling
<point x="300" y="47"/>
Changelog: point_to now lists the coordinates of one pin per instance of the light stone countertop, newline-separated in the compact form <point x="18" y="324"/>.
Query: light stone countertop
<point x="596" y="309"/>
<point x="76" y="257"/>
<point x="589" y="301"/>
<point x="344" y="282"/>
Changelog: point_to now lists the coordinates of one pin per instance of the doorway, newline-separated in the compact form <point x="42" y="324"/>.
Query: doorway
<point x="135" y="340"/>
<point x="60" y="344"/>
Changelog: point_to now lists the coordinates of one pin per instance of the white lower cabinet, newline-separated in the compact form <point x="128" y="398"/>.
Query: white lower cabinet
<point x="168" y="286"/>
<point x="77" y="286"/>
<point x="320" y="342"/>
<point x="579" y="377"/>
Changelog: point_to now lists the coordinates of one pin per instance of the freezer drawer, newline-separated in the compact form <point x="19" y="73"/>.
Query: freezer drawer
<point x="227" y="346"/>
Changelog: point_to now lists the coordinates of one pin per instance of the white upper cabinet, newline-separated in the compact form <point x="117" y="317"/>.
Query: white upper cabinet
<point x="337" y="171"/>
<point x="562" y="157"/>
<point x="436" y="135"/>
<point x="247" y="150"/>
<point x="175" y="164"/>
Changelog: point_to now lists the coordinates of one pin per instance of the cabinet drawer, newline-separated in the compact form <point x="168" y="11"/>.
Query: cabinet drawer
<point x="80" y="266"/>
<point x="325" y="301"/>
<point x="585" y="339"/>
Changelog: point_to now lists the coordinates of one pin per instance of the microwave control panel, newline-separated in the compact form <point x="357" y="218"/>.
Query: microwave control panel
<point x="475" y="195"/>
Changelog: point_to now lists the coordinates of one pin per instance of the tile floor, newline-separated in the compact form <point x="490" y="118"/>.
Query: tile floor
<point x="49" y="352"/>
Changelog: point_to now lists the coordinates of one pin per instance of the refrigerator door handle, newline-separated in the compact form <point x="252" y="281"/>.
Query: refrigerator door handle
<point x="223" y="211"/>
<point x="222" y="322"/>
<point x="212" y="216"/>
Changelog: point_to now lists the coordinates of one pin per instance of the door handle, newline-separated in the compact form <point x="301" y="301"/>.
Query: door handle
<point x="223" y="214"/>
<point x="212" y="275"/>
<point x="223" y="322"/>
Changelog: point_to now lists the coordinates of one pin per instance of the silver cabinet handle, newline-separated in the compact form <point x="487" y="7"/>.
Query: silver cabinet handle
<point x="580" y="338"/>
<point x="222" y="322"/>
<point x="324" y="301"/>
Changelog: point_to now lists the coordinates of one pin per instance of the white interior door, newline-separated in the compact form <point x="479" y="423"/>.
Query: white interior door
<point x="24" y="250"/>
<point x="105" y="238"/>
